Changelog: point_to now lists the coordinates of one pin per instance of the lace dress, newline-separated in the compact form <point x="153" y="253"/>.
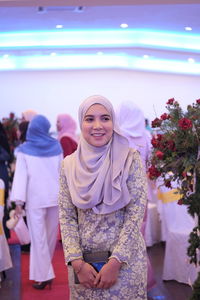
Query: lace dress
<point x="118" y="232"/>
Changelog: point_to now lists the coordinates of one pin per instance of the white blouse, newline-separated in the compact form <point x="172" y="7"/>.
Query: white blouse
<point x="36" y="180"/>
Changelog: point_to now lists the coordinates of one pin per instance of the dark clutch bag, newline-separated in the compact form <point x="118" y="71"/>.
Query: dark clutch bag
<point x="95" y="259"/>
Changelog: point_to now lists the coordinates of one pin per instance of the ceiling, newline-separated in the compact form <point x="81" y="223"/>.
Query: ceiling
<point x="155" y="39"/>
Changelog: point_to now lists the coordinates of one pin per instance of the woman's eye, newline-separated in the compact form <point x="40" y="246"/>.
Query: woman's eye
<point x="89" y="119"/>
<point x="106" y="118"/>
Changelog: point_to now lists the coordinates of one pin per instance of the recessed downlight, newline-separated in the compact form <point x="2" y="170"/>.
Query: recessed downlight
<point x="59" y="26"/>
<point x="124" y="25"/>
<point x="191" y="60"/>
<point x="99" y="53"/>
<point x="188" y="28"/>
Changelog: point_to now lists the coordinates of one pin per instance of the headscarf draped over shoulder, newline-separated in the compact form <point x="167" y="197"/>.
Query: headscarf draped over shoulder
<point x="97" y="176"/>
<point x="38" y="140"/>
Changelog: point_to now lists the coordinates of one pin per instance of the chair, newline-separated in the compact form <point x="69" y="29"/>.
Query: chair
<point x="179" y="224"/>
<point x="152" y="233"/>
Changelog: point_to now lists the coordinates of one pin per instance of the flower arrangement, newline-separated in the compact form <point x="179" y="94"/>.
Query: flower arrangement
<point x="176" y="157"/>
<point x="10" y="125"/>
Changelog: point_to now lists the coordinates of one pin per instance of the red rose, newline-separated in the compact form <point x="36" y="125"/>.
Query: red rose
<point x="155" y="142"/>
<point x="170" y="101"/>
<point x="180" y="202"/>
<point x="171" y="145"/>
<point x="168" y="184"/>
<point x="198" y="101"/>
<point x="185" y="123"/>
<point x="156" y="123"/>
<point x="165" y="116"/>
<point x="159" y="154"/>
<point x="153" y="172"/>
<point x="184" y="174"/>
<point x="159" y="136"/>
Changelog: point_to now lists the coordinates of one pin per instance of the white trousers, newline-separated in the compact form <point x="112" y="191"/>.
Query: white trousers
<point x="43" y="229"/>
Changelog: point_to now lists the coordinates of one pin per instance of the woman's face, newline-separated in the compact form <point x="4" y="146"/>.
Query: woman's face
<point x="58" y="125"/>
<point x="97" y="126"/>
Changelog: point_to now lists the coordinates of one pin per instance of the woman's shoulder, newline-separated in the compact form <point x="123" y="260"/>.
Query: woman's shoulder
<point x="134" y="152"/>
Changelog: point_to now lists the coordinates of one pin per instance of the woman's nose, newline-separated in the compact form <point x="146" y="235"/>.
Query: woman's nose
<point x="97" y="124"/>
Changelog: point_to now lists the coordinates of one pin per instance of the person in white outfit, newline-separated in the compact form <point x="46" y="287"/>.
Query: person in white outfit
<point x="131" y="121"/>
<point x="36" y="184"/>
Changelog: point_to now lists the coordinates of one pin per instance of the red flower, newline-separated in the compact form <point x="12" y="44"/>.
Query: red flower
<point x="168" y="184"/>
<point x="185" y="123"/>
<point x="171" y="145"/>
<point x="155" y="142"/>
<point x="153" y="172"/>
<point x="180" y="202"/>
<point x="198" y="101"/>
<point x="165" y="116"/>
<point x="156" y="123"/>
<point x="170" y="101"/>
<point x="159" y="154"/>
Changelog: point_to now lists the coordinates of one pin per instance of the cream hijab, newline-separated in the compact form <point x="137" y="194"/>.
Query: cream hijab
<point x="97" y="176"/>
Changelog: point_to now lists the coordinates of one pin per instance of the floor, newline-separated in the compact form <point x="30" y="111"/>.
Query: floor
<point x="165" y="290"/>
<point x="170" y="290"/>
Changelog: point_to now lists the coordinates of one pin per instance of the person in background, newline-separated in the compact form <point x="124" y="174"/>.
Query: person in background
<point x="36" y="184"/>
<point x="102" y="201"/>
<point x="5" y="160"/>
<point x="66" y="128"/>
<point x="23" y="126"/>
<point x="28" y="115"/>
<point x="5" y="258"/>
<point x="132" y="125"/>
<point x="148" y="128"/>
<point x="21" y="134"/>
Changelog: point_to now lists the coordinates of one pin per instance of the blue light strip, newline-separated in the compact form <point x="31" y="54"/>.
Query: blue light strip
<point x="69" y="62"/>
<point x="115" y="38"/>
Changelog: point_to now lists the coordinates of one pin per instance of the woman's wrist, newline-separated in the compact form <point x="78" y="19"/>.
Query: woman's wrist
<point x="77" y="265"/>
<point x="114" y="263"/>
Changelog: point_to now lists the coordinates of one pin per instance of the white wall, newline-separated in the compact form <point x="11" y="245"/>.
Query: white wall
<point x="54" y="92"/>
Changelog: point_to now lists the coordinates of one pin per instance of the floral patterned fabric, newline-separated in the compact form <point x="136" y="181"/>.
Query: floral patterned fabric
<point x="118" y="232"/>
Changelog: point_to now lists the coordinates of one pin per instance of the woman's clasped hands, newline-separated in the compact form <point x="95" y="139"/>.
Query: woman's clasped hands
<point x="90" y="278"/>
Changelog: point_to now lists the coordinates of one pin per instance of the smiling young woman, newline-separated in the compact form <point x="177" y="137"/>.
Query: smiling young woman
<point x="102" y="201"/>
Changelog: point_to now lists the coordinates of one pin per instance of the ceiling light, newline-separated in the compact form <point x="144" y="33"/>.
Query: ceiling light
<point x="191" y="60"/>
<point x="59" y="26"/>
<point x="145" y="56"/>
<point x="100" y="38"/>
<point x="92" y="61"/>
<point x="187" y="28"/>
<point x="99" y="53"/>
<point x="5" y="56"/>
<point x="124" y="25"/>
<point x="53" y="54"/>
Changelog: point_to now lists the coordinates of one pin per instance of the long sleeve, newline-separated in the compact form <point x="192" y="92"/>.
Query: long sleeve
<point x="20" y="180"/>
<point x="130" y="236"/>
<point x="68" y="222"/>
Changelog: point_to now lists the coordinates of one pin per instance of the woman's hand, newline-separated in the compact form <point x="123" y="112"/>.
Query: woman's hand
<point x="86" y="274"/>
<point x="18" y="211"/>
<point x="108" y="275"/>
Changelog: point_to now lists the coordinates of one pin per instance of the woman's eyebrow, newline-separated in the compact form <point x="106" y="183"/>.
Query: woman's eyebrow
<point x="103" y="115"/>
